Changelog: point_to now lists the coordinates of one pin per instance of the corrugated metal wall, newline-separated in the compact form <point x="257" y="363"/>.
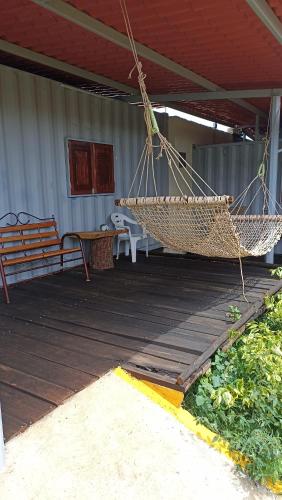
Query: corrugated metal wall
<point x="229" y="168"/>
<point x="36" y="117"/>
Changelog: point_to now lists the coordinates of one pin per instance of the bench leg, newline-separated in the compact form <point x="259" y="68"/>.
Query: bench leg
<point x="84" y="261"/>
<point x="62" y="261"/>
<point x="4" y="283"/>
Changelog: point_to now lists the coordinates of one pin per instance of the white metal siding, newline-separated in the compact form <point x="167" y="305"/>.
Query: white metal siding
<point x="36" y="117"/>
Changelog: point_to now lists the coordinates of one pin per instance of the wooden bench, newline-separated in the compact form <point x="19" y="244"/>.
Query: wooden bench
<point x="26" y="241"/>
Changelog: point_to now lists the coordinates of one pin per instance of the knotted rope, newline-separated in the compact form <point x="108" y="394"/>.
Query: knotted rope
<point x="199" y="224"/>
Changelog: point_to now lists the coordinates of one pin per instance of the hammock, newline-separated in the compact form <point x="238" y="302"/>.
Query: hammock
<point x="204" y="225"/>
<point x="207" y="225"/>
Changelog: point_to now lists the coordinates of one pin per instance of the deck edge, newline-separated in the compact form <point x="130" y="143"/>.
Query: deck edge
<point x="201" y="364"/>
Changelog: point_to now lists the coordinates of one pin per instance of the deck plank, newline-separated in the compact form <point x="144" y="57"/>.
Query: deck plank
<point x="52" y="372"/>
<point x="40" y="329"/>
<point x="35" y="386"/>
<point x="84" y="362"/>
<point x="159" y="318"/>
<point x="118" y="307"/>
<point x="86" y="346"/>
<point x="124" y="326"/>
<point x="22" y="405"/>
<point x="12" y="425"/>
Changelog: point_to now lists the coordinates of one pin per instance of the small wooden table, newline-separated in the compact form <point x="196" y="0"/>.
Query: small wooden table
<point x="101" y="256"/>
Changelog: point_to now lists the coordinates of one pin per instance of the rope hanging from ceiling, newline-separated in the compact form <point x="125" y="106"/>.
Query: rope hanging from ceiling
<point x="210" y="225"/>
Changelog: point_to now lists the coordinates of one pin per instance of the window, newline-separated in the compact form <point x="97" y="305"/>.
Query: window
<point x="91" y="168"/>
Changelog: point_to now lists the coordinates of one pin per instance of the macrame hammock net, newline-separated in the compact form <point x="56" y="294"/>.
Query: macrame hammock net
<point x="209" y="225"/>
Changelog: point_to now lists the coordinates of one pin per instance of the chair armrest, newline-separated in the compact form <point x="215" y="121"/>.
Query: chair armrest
<point x="124" y="227"/>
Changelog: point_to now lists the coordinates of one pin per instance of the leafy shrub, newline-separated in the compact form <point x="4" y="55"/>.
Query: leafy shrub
<point x="277" y="272"/>
<point x="240" y="397"/>
<point x="234" y="313"/>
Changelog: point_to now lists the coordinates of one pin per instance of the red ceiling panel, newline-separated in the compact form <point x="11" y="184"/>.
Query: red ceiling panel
<point x="222" y="41"/>
<point x="276" y="6"/>
<point x="228" y="112"/>
<point x="26" y="24"/>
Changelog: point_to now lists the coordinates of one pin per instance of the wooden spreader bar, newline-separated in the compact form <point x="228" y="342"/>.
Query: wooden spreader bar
<point x="175" y="200"/>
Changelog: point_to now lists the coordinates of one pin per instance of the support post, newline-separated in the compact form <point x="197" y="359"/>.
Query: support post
<point x="1" y="443"/>
<point x="257" y="134"/>
<point x="273" y="161"/>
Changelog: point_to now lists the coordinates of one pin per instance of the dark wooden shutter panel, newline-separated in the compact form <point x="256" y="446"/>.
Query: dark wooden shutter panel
<point x="103" y="171"/>
<point x="80" y="167"/>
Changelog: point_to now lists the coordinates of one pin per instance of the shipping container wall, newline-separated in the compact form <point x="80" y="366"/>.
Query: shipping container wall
<point x="37" y="116"/>
<point x="229" y="169"/>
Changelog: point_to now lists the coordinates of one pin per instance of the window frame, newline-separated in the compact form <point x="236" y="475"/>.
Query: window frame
<point x="68" y="173"/>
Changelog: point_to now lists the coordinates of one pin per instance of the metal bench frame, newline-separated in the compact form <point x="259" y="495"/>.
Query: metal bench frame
<point x="23" y="236"/>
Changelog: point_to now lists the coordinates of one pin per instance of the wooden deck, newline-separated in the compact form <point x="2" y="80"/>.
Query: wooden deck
<point x="161" y="319"/>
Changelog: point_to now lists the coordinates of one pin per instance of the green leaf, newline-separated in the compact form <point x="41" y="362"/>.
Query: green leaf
<point x="200" y="400"/>
<point x="216" y="381"/>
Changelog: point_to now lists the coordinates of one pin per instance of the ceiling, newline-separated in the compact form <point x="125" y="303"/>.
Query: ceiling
<point x="225" y="44"/>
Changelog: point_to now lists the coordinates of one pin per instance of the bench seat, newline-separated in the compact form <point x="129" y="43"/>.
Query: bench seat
<point x="27" y="241"/>
<point x="39" y="256"/>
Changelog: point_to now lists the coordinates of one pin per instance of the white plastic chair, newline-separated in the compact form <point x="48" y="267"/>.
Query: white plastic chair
<point x="130" y="239"/>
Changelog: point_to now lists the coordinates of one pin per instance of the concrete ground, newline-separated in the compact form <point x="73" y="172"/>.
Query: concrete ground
<point x="111" y="442"/>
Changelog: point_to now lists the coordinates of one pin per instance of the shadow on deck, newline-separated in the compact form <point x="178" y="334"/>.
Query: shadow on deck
<point x="161" y="319"/>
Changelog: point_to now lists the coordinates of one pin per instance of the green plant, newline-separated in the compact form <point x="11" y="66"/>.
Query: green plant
<point x="232" y="334"/>
<point x="277" y="272"/>
<point x="234" y="313"/>
<point x="269" y="302"/>
<point x="240" y="397"/>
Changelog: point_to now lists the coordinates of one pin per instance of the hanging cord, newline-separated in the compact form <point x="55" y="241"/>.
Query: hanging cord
<point x="150" y="120"/>
<point x="152" y="129"/>
<point x="237" y="206"/>
<point x="242" y="275"/>
<point x="175" y="162"/>
<point x="171" y="153"/>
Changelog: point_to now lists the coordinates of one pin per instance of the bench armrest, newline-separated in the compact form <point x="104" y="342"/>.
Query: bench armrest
<point x="70" y="235"/>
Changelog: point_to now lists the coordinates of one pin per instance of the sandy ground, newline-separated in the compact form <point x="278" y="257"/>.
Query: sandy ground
<point x="111" y="442"/>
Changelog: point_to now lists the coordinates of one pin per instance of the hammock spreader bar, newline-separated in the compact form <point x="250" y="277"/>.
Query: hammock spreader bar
<point x="175" y="200"/>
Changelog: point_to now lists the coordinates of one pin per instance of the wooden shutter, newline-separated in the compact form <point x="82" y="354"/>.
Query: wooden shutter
<point x="80" y="161"/>
<point x="103" y="168"/>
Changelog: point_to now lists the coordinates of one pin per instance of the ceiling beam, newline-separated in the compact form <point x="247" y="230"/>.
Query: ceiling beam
<point x="208" y="96"/>
<point x="51" y="62"/>
<point x="267" y="17"/>
<point x="87" y="22"/>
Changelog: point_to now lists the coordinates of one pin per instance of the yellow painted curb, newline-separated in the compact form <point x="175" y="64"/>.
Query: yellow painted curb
<point x="174" y="397"/>
<point x="191" y="423"/>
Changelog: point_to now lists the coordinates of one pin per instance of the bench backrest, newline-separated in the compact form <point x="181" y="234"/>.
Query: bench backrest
<point x="29" y="237"/>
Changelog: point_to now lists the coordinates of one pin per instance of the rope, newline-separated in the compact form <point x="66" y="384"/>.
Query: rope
<point x="151" y="122"/>
<point x="137" y="170"/>
<point x="202" y="225"/>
